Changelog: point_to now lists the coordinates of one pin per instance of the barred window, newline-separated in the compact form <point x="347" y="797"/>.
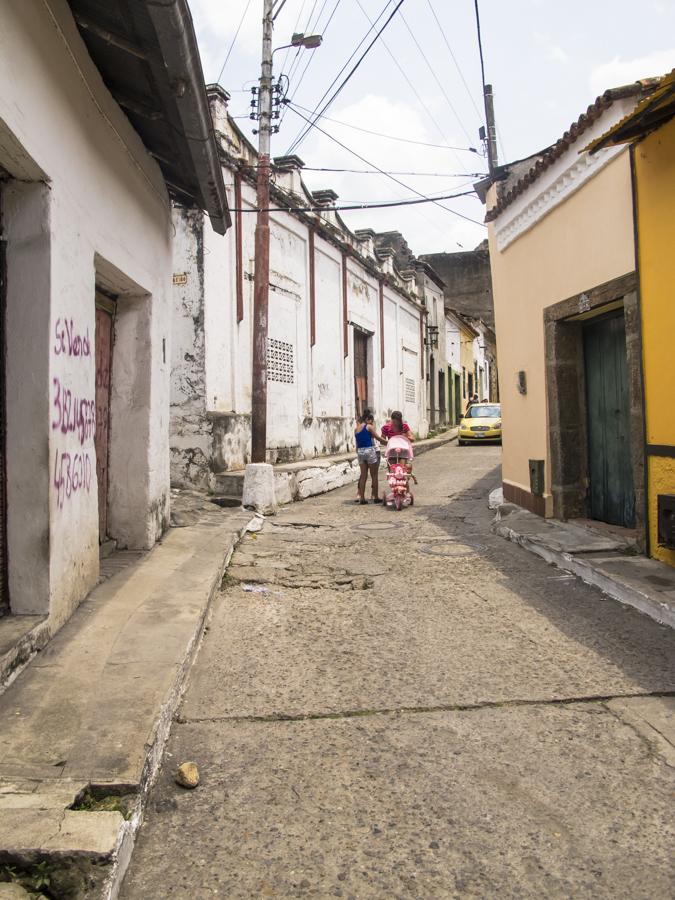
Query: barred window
<point x="280" y="361"/>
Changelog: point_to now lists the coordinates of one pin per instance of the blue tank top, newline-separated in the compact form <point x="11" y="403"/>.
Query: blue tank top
<point x="364" y="438"/>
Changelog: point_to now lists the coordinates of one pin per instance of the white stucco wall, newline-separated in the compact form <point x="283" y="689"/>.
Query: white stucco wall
<point x="104" y="218"/>
<point x="312" y="412"/>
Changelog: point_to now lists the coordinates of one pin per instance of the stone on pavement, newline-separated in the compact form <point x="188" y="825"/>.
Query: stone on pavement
<point x="187" y="775"/>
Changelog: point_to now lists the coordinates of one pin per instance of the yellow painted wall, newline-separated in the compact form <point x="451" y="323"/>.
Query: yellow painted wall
<point x="655" y="177"/>
<point x="586" y="240"/>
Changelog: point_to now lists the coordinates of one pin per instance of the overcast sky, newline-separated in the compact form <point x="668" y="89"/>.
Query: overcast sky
<point x="547" y="61"/>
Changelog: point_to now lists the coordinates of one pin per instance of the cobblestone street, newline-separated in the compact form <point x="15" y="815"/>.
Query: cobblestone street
<point x="406" y="705"/>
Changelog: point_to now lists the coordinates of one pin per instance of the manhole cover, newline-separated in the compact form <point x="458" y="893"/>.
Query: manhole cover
<point x="377" y="526"/>
<point x="451" y="548"/>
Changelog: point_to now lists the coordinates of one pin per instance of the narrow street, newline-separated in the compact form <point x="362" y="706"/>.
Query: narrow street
<point x="405" y="705"/>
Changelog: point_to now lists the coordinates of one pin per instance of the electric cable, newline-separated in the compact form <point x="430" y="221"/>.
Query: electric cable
<point x="236" y="35"/>
<point x="311" y="57"/>
<point x="350" y="58"/>
<point x="435" y="77"/>
<point x="412" y="87"/>
<point x="390" y="137"/>
<point x="306" y="30"/>
<point x="454" y="59"/>
<point x="385" y="204"/>
<point x="376" y="172"/>
<point x="368" y="162"/>
<point x="346" y="80"/>
<point x="295" y="28"/>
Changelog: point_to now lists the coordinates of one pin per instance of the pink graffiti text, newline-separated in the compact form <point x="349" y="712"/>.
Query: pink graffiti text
<point x="68" y="342"/>
<point x="72" y="475"/>
<point x="71" y="414"/>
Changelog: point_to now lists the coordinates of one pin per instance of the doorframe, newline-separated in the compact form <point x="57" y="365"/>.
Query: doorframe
<point x="107" y="302"/>
<point x="566" y="395"/>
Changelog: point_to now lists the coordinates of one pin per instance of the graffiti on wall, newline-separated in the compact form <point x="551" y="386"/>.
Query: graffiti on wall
<point x="72" y="415"/>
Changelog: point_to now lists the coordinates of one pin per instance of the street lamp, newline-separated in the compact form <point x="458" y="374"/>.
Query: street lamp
<point x="262" y="248"/>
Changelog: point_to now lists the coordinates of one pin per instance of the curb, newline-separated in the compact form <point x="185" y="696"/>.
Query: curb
<point x="121" y="856"/>
<point x="625" y="593"/>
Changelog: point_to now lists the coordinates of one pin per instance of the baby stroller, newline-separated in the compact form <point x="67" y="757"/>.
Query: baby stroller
<point x="399" y="454"/>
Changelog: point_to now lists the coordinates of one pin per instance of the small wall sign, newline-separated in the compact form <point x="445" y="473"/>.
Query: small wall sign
<point x="180" y="278"/>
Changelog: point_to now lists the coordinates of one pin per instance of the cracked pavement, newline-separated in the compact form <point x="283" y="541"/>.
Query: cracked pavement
<point x="405" y="705"/>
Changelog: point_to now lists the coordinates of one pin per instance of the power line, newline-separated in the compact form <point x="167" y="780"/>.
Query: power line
<point x="385" y="204"/>
<point x="344" y="66"/>
<point x="311" y="56"/>
<point x="454" y="59"/>
<point x="236" y="35"/>
<point x="412" y="87"/>
<point x="345" y="81"/>
<point x="377" y="172"/>
<point x="367" y="162"/>
<point x="297" y="49"/>
<point x="435" y="77"/>
<point x="296" y="59"/>
<point x="390" y="137"/>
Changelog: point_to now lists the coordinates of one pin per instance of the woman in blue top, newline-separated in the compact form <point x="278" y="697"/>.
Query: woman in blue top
<point x="368" y="456"/>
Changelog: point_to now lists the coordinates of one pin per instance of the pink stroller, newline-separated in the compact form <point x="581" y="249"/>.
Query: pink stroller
<point x="398" y="454"/>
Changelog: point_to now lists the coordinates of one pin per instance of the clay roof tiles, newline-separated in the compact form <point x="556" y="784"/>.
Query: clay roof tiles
<point x="551" y="154"/>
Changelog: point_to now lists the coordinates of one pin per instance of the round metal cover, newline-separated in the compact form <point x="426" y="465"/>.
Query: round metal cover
<point x="377" y="526"/>
<point x="452" y="548"/>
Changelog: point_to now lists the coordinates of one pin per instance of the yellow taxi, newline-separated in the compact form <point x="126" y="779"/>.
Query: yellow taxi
<point x="481" y="422"/>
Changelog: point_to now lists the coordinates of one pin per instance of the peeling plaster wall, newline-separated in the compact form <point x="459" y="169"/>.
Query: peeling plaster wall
<point x="88" y="208"/>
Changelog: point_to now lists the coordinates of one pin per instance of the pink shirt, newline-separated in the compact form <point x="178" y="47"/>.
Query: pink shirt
<point x="388" y="430"/>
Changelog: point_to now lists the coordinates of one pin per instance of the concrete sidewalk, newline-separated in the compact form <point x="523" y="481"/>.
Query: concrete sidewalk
<point x="309" y="477"/>
<point x="598" y="559"/>
<point x="84" y="725"/>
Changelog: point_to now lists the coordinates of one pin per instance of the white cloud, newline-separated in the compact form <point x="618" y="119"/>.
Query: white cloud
<point x="427" y="227"/>
<point x="624" y="71"/>
<point x="552" y="51"/>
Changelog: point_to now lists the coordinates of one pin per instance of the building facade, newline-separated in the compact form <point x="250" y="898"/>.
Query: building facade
<point x="565" y="295"/>
<point x="650" y="133"/>
<point x="346" y="326"/>
<point x="85" y="293"/>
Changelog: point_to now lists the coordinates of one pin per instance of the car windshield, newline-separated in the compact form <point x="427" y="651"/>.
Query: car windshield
<point x="481" y="411"/>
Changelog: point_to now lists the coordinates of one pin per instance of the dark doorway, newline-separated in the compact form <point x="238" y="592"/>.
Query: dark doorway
<point x="611" y="490"/>
<point x="432" y="392"/>
<point x="442" y="408"/>
<point x="361" y="371"/>
<point x="458" y="399"/>
<point x="105" y="309"/>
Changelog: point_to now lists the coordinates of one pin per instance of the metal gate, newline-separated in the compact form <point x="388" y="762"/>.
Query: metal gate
<point x="105" y="309"/>
<point x="360" y="371"/>
<point x="611" y="492"/>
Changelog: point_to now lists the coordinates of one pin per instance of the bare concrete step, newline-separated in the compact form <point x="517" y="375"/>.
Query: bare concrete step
<point x="20" y="638"/>
<point x="230" y="484"/>
<point x="596" y="558"/>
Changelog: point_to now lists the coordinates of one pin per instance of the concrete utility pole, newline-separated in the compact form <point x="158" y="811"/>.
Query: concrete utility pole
<point x="259" y="476"/>
<point x="491" y="136"/>
<point x="261" y="283"/>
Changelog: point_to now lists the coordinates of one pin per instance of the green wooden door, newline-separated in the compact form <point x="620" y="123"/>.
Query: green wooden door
<point x="611" y="493"/>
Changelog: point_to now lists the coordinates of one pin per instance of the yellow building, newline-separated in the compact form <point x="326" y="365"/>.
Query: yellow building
<point x="562" y="252"/>
<point x="650" y="131"/>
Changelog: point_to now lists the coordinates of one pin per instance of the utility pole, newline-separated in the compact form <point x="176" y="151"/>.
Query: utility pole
<point x="261" y="282"/>
<point x="491" y="137"/>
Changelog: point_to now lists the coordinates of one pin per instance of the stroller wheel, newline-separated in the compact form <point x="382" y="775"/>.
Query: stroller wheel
<point x="399" y="502"/>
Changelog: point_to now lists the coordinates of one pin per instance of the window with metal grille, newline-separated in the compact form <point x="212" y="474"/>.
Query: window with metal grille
<point x="410" y="390"/>
<point x="280" y="361"/>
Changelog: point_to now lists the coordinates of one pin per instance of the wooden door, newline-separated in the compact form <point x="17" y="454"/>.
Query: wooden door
<point x="104" y="343"/>
<point x="442" y="408"/>
<point x="611" y="492"/>
<point x="361" y="371"/>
